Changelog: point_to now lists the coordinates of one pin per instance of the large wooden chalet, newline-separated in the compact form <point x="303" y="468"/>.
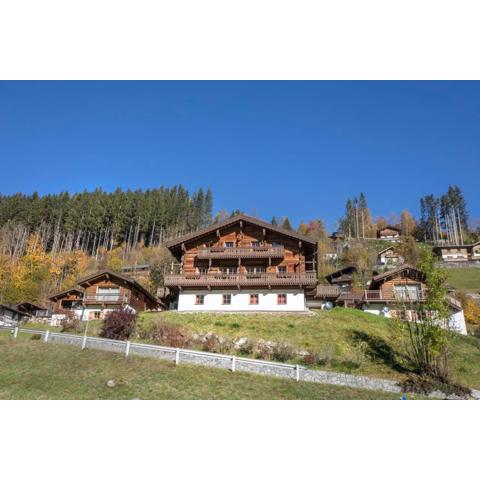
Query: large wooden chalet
<point x="102" y="292"/>
<point x="242" y="264"/>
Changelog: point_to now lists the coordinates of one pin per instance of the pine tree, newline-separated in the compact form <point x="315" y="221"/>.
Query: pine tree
<point x="286" y="224"/>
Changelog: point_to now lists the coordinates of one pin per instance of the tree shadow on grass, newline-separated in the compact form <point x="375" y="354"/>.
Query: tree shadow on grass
<point x="379" y="349"/>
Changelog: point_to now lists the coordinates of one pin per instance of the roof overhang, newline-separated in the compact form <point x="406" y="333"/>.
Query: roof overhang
<point x="175" y="245"/>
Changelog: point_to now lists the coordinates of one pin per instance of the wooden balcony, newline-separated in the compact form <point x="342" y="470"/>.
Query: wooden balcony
<point x="379" y="296"/>
<point x="261" y="251"/>
<point x="241" y="280"/>
<point x="106" y="299"/>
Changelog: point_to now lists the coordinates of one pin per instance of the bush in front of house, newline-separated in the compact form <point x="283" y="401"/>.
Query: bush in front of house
<point x="71" y="323"/>
<point x="282" y="352"/>
<point x="166" y="334"/>
<point x="118" y="325"/>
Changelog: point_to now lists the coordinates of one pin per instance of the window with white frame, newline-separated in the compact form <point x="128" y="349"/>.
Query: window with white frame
<point x="407" y="292"/>
<point x="226" y="299"/>
<point x="255" y="270"/>
<point x="254" y="299"/>
<point x="108" y="293"/>
<point x="228" y="270"/>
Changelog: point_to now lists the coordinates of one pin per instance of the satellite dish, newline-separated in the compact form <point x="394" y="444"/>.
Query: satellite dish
<point x="385" y="310"/>
<point x="328" y="306"/>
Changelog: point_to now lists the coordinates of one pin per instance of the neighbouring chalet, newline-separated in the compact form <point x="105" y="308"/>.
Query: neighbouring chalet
<point x="33" y="310"/>
<point x="458" y="253"/>
<point x="342" y="278"/>
<point x="11" y="315"/>
<point x="389" y="233"/>
<point x="242" y="264"/>
<point x="102" y="292"/>
<point x="402" y="286"/>
<point x="387" y="294"/>
<point x="388" y="256"/>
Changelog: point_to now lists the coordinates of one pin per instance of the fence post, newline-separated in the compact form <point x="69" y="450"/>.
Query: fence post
<point x="15" y="332"/>
<point x="233" y="363"/>
<point x="47" y="334"/>
<point x="127" y="349"/>
<point x="84" y="342"/>
<point x="297" y="373"/>
<point x="177" y="356"/>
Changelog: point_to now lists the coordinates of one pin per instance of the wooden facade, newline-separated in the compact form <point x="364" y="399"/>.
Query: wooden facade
<point x="105" y="290"/>
<point x="401" y="284"/>
<point x="389" y="233"/>
<point x="458" y="253"/>
<point x="243" y="252"/>
<point x="110" y="289"/>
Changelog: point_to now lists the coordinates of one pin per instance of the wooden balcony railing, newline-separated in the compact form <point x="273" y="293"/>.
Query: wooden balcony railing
<point x="241" y="279"/>
<point x="261" y="251"/>
<point x="379" y="295"/>
<point x="105" y="298"/>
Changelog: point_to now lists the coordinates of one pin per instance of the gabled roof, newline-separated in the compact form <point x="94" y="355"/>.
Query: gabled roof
<point x="64" y="293"/>
<point x="390" y="227"/>
<point x="30" y="304"/>
<point x="13" y="308"/>
<point x="395" y="272"/>
<point x="327" y="291"/>
<point x="177" y="242"/>
<point x="347" y="270"/>
<point x="84" y="282"/>
<point x="452" y="245"/>
<point x="386" y="250"/>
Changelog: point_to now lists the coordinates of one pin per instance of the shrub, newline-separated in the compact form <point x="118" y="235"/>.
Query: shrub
<point x="71" y="324"/>
<point x="424" y="385"/>
<point x="263" y="351"/>
<point x="246" y="348"/>
<point x="235" y="325"/>
<point x="325" y="355"/>
<point x="311" y="358"/>
<point x="283" y="352"/>
<point x="210" y="344"/>
<point x="118" y="325"/>
<point x="36" y="336"/>
<point x="167" y="334"/>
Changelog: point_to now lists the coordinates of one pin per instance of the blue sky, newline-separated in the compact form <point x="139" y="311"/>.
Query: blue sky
<point x="267" y="148"/>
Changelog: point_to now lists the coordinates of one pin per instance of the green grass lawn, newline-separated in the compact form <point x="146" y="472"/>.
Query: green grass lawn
<point x="31" y="369"/>
<point x="467" y="279"/>
<point x="349" y="336"/>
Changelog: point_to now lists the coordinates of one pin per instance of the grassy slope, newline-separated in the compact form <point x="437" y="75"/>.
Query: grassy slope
<point x="347" y="333"/>
<point x="34" y="370"/>
<point x="467" y="279"/>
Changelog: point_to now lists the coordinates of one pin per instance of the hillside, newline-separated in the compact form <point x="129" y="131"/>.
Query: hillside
<point x="467" y="279"/>
<point x="32" y="369"/>
<point x="346" y="340"/>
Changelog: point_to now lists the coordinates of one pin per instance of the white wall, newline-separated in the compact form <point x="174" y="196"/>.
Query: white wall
<point x="267" y="301"/>
<point x="456" y="322"/>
